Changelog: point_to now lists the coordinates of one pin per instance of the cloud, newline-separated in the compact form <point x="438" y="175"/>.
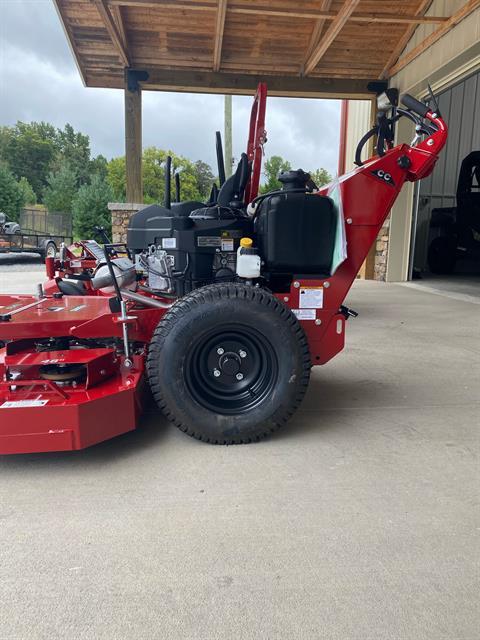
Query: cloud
<point x="39" y="81"/>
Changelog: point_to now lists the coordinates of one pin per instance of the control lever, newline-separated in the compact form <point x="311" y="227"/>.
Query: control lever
<point x="124" y="317"/>
<point x="348" y="313"/>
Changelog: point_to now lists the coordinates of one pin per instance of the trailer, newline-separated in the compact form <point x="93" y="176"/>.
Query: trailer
<point x="14" y="239"/>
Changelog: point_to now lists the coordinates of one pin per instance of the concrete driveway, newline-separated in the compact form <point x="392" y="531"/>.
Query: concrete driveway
<point x="359" y="521"/>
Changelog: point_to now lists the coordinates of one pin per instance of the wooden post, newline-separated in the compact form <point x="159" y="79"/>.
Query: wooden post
<point x="133" y="144"/>
<point x="367" y="270"/>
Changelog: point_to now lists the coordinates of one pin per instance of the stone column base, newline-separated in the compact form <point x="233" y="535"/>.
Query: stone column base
<point x="121" y="214"/>
<point x="381" y="252"/>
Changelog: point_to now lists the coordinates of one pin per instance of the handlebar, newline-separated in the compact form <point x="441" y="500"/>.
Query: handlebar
<point x="415" y="105"/>
<point x="428" y="121"/>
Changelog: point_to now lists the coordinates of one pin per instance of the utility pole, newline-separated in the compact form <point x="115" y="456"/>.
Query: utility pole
<point x="228" y="136"/>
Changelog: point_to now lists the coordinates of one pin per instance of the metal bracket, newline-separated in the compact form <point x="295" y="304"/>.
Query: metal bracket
<point x="133" y="77"/>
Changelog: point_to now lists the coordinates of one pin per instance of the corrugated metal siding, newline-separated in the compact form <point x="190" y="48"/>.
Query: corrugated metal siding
<point x="359" y="122"/>
<point x="460" y="105"/>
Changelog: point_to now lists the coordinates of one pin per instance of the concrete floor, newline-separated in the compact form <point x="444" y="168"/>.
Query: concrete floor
<point x="358" y="521"/>
<point x="464" y="287"/>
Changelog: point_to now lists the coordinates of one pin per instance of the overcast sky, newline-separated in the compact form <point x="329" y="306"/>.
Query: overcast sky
<point x="39" y="81"/>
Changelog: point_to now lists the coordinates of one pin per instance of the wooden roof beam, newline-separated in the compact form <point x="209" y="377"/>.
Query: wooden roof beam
<point x="323" y="14"/>
<point x="113" y="31"/>
<point x="219" y="29"/>
<point x="402" y="43"/>
<point x="117" y="15"/>
<point x="332" y="32"/>
<point x="316" y="32"/>
<point x="464" y="11"/>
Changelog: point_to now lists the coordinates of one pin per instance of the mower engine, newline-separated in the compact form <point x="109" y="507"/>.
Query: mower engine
<point x="294" y="231"/>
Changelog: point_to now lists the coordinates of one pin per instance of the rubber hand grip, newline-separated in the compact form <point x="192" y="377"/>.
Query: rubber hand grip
<point x="415" y="105"/>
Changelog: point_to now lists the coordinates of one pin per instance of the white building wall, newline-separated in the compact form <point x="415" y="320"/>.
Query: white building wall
<point x="358" y="123"/>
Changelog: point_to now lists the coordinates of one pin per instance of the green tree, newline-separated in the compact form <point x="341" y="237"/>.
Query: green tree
<point x="61" y="189"/>
<point x="11" y="194"/>
<point x="29" y="195"/>
<point x="99" y="167"/>
<point x="320" y="176"/>
<point x="90" y="208"/>
<point x="272" y="168"/>
<point x="204" y="178"/>
<point x="193" y="178"/>
<point x="116" y="172"/>
<point x="29" y="149"/>
<point x="73" y="148"/>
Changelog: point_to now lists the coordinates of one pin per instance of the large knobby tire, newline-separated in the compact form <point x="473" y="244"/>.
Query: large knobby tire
<point x="229" y="364"/>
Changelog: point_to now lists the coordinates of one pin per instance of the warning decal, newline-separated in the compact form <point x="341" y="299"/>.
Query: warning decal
<point x="305" y="314"/>
<point x="311" y="298"/>
<point x="22" y="404"/>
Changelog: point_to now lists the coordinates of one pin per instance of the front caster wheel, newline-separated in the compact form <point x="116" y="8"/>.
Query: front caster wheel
<point x="228" y="364"/>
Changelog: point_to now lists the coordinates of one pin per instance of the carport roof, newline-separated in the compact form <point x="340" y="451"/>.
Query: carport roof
<point x="322" y="48"/>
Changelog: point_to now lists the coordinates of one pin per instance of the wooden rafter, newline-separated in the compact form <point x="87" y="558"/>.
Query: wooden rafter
<point x="457" y="17"/>
<point x="219" y="29"/>
<point x="281" y="13"/>
<point x="316" y="31"/>
<point x="402" y="43"/>
<point x="71" y="40"/>
<point x="117" y="15"/>
<point x="332" y="32"/>
<point x="112" y="29"/>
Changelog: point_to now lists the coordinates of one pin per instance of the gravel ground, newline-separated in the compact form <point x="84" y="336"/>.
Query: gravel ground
<point x="19" y="273"/>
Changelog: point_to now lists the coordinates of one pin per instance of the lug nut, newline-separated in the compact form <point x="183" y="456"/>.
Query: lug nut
<point x="220" y="351"/>
<point x="242" y="353"/>
<point x="216" y="373"/>
<point x="239" y="376"/>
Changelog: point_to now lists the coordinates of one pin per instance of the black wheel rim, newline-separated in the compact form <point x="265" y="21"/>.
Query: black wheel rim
<point x="231" y="369"/>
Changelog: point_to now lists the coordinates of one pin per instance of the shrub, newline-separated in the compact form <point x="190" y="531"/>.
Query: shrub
<point x="29" y="195"/>
<point x="11" y="194"/>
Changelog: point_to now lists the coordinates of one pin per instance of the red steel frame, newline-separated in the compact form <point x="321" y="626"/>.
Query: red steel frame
<point x="45" y="416"/>
<point x="257" y="136"/>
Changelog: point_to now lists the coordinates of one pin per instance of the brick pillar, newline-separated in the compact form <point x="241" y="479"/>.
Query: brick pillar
<point x="121" y="214"/>
<point x="381" y="252"/>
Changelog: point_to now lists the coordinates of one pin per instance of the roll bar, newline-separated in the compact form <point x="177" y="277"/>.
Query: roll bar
<point x="256" y="139"/>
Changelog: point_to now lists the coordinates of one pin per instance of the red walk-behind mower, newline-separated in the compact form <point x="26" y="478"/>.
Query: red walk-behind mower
<point x="222" y="308"/>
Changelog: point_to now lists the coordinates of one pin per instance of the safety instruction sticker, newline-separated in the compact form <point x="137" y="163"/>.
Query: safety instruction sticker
<point x="22" y="404"/>
<point x="305" y="314"/>
<point x="311" y="298"/>
<point x="227" y="244"/>
<point x="169" y="243"/>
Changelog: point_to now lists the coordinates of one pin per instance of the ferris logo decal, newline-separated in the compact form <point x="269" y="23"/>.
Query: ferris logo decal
<point x="385" y="176"/>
